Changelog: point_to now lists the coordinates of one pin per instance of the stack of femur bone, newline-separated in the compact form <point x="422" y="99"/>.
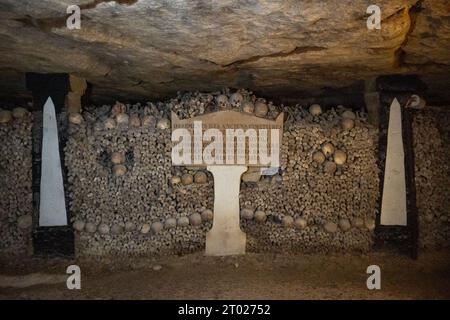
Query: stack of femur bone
<point x="432" y="176"/>
<point x="147" y="206"/>
<point x="325" y="195"/>
<point x="16" y="200"/>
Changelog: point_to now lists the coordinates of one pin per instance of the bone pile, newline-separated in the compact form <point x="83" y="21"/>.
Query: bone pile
<point x="432" y="171"/>
<point x="325" y="196"/>
<point x="126" y="198"/>
<point x="193" y="104"/>
<point x="16" y="204"/>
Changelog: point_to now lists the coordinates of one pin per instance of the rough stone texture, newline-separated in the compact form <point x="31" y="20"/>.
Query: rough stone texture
<point x="150" y="48"/>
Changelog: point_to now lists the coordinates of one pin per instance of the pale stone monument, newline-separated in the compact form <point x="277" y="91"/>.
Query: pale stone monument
<point x="393" y="207"/>
<point x="226" y="237"/>
<point x="52" y="204"/>
<point x="219" y="141"/>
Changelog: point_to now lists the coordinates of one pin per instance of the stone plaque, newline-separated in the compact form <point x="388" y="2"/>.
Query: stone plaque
<point x="227" y="138"/>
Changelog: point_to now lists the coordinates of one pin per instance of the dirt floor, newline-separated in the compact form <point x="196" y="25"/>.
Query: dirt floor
<point x="253" y="276"/>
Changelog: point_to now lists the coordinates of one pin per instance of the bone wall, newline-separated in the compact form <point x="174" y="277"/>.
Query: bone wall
<point x="126" y="198"/>
<point x="16" y="204"/>
<point x="432" y="170"/>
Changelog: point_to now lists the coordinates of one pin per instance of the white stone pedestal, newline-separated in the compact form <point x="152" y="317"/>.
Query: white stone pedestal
<point x="226" y="236"/>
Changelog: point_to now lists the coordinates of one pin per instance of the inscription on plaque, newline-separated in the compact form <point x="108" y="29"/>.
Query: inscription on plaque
<point x="226" y="138"/>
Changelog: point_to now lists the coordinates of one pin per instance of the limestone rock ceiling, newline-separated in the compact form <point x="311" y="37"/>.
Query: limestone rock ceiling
<point x="136" y="49"/>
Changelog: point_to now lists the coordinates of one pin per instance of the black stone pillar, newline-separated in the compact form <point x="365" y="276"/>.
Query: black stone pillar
<point x="57" y="240"/>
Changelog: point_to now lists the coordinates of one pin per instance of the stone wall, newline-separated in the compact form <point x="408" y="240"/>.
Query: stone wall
<point x="432" y="155"/>
<point x="16" y="204"/>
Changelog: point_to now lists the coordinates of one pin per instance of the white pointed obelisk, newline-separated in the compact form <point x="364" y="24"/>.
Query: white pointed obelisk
<point x="52" y="204"/>
<point x="393" y="207"/>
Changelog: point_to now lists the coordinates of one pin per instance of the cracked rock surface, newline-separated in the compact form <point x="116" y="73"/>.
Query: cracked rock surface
<point x="152" y="49"/>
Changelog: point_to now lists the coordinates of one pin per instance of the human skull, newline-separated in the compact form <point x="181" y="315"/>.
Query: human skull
<point x="163" y="124"/>
<point x="369" y="223"/>
<point x="195" y="219"/>
<point x="287" y="221"/>
<point x="110" y="123"/>
<point x="222" y="101"/>
<point x="170" y="223"/>
<point x="260" y="216"/>
<point x="340" y="157"/>
<point x="315" y="110"/>
<point x="187" y="179"/>
<point x="117" y="158"/>
<point x="328" y="149"/>
<point x="118" y="108"/>
<point x="344" y="224"/>
<point x="5" y="116"/>
<point x="116" y="229"/>
<point x="135" y="121"/>
<point x="90" y="227"/>
<point x="145" y="228"/>
<point x="348" y="124"/>
<point x="330" y="167"/>
<point x="300" y="223"/>
<point x="157" y="227"/>
<point x="207" y="215"/>
<point x="78" y="225"/>
<point x="148" y="121"/>
<point x="183" y="221"/>
<point x="103" y="228"/>
<point x="261" y="109"/>
<point x="247" y="214"/>
<point x="129" y="226"/>
<point x="175" y="180"/>
<point x="19" y="112"/>
<point x="122" y="119"/>
<point x="119" y="170"/>
<point x="248" y="107"/>
<point x="358" y="223"/>
<point x="236" y="99"/>
<point x="319" y="157"/>
<point x="330" y="227"/>
<point x="347" y="114"/>
<point x="200" y="177"/>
